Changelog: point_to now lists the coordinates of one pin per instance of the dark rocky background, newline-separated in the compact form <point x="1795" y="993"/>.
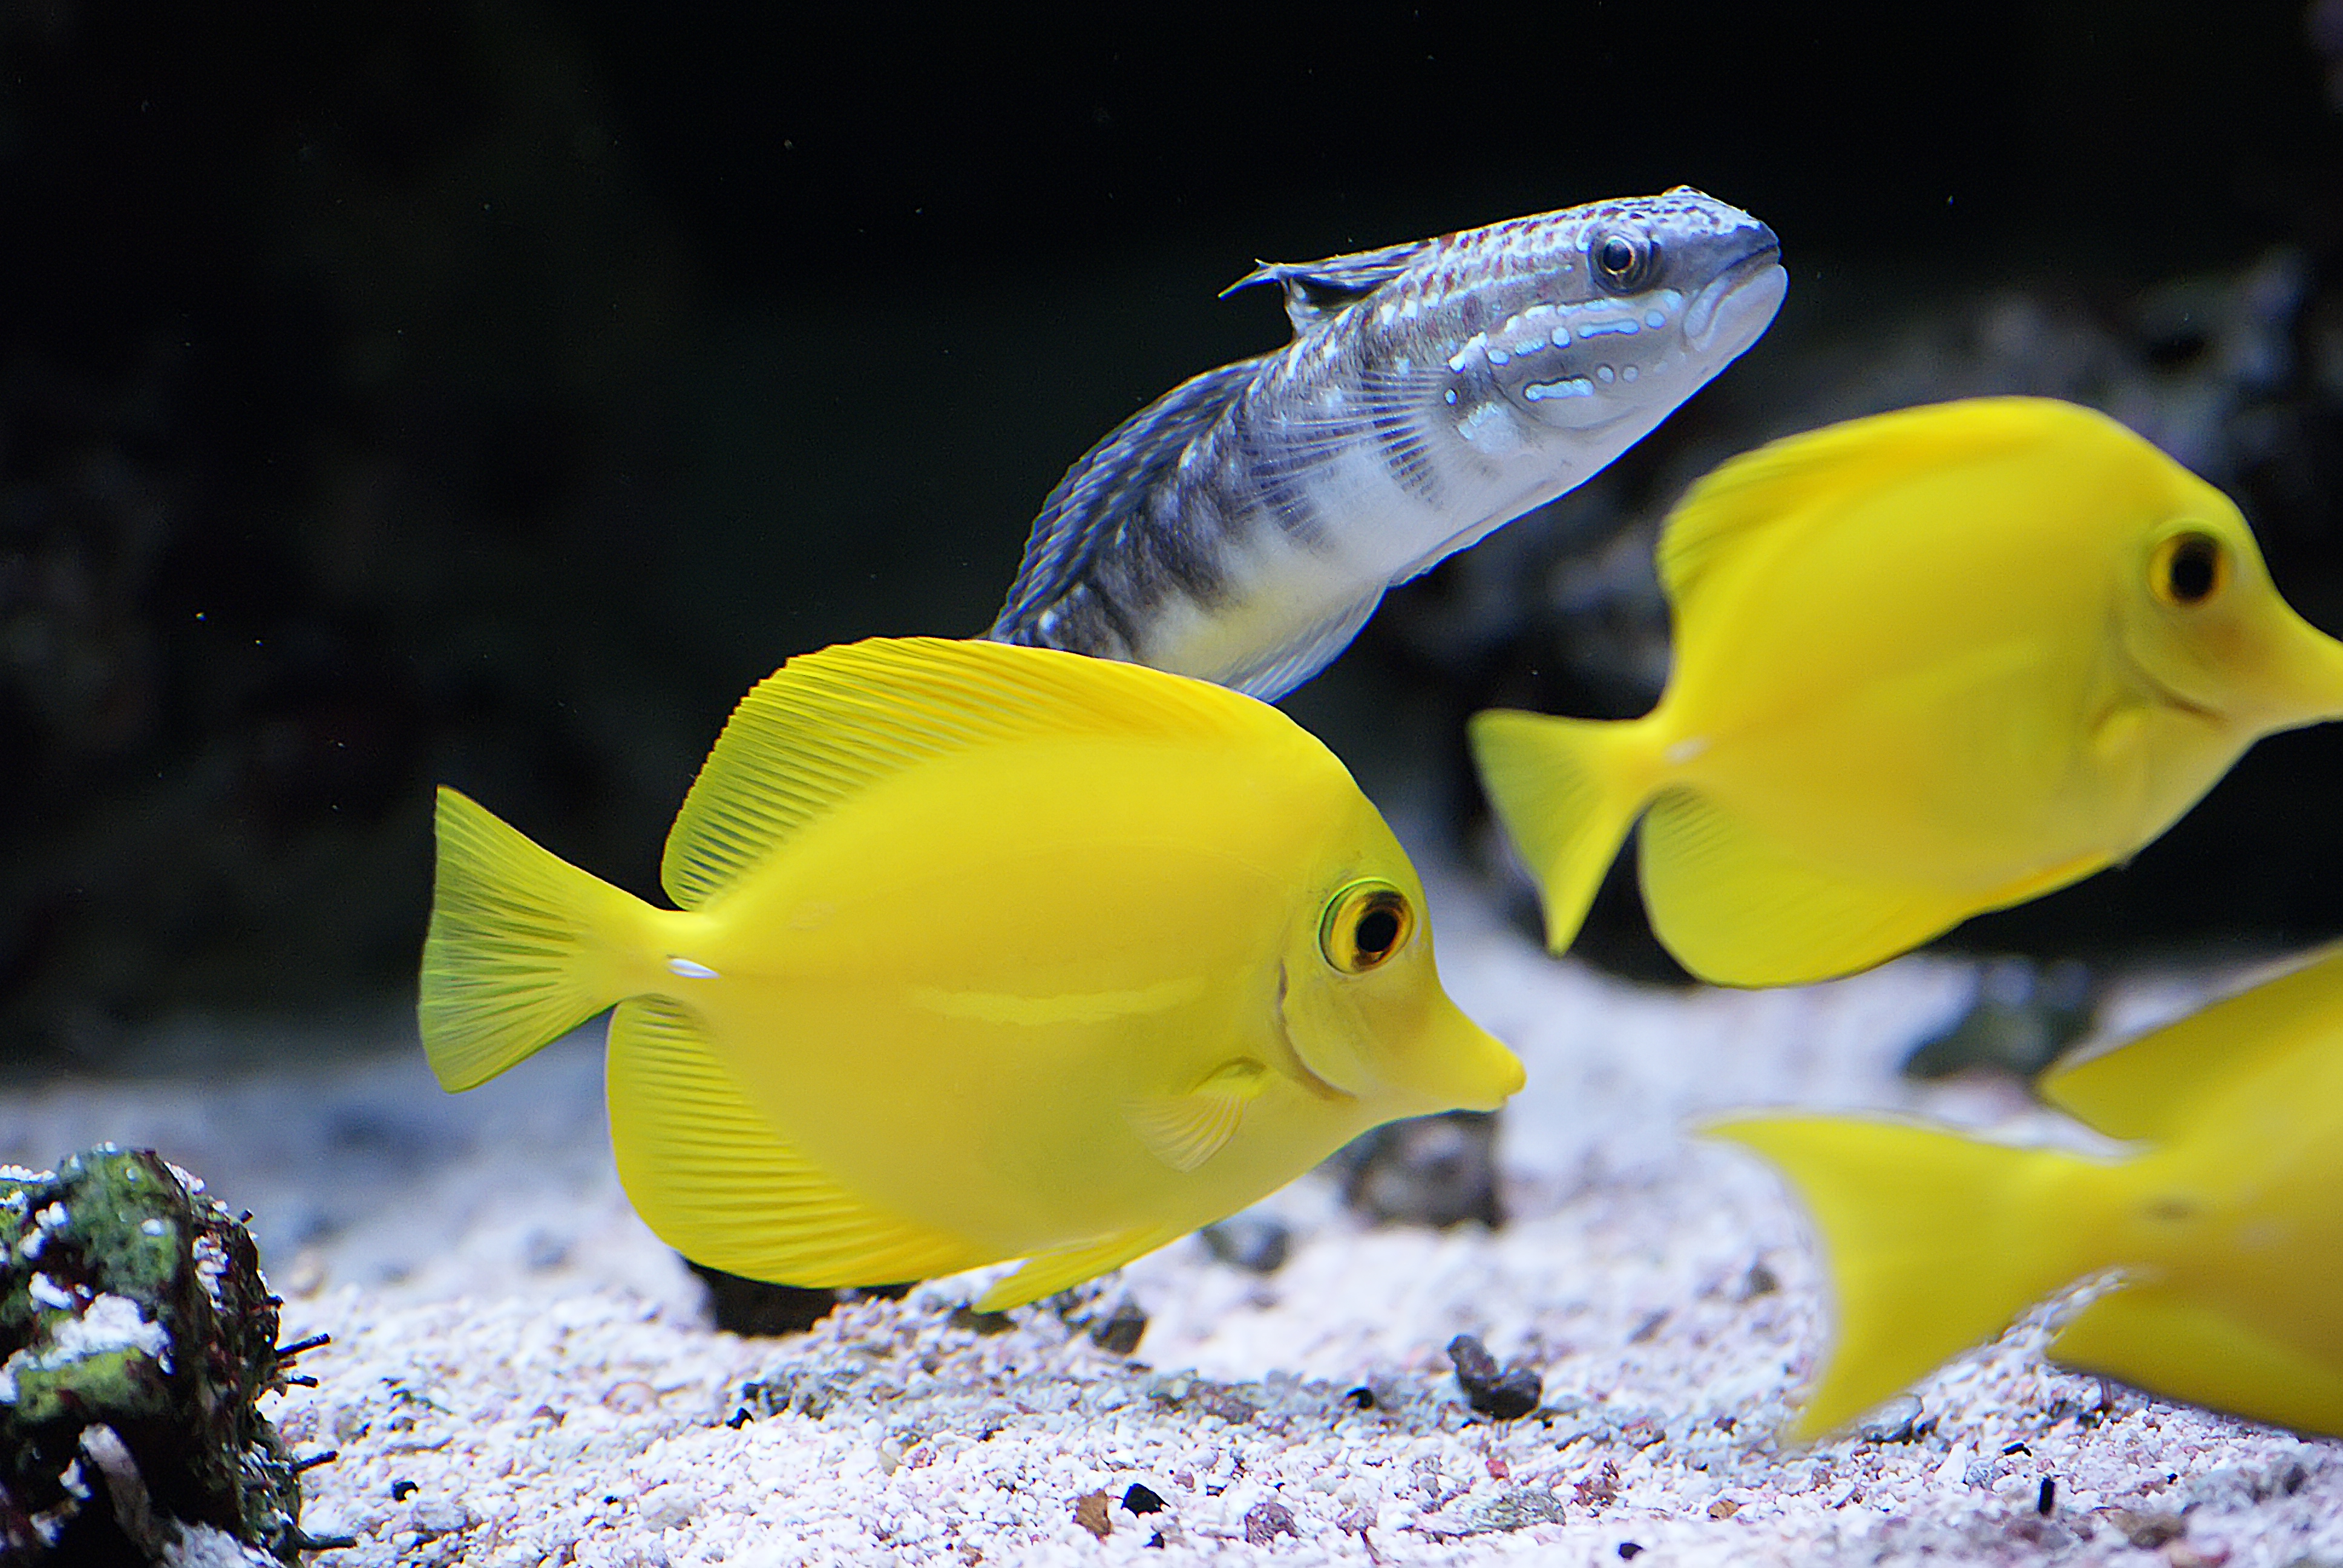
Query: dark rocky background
<point x="400" y="393"/>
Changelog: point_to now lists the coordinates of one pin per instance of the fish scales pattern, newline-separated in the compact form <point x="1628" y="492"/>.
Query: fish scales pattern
<point x="1243" y="526"/>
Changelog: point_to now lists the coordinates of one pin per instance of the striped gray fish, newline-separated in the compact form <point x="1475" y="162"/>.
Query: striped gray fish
<point x="1243" y="526"/>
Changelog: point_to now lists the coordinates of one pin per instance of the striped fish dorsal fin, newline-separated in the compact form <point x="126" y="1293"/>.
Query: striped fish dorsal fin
<point x="1318" y="291"/>
<point x="1104" y="495"/>
<point x="826" y="726"/>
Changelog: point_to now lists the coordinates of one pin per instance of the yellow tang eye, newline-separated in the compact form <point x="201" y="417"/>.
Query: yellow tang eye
<point x="2188" y="569"/>
<point x="1365" y="925"/>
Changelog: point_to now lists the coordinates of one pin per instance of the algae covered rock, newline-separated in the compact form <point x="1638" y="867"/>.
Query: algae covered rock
<point x="136" y="1337"/>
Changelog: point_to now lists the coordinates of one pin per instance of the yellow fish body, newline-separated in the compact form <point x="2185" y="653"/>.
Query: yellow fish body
<point x="983" y="953"/>
<point x="2227" y="1224"/>
<point x="1929" y="663"/>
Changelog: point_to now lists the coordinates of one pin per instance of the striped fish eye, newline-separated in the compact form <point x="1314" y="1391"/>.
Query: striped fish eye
<point x="2188" y="569"/>
<point x="1622" y="263"/>
<point x="1364" y="924"/>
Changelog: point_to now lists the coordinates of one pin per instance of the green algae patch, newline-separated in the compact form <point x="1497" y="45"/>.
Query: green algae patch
<point x="136" y="1337"/>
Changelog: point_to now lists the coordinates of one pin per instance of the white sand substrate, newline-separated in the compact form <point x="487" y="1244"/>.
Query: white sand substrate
<point x="520" y="1374"/>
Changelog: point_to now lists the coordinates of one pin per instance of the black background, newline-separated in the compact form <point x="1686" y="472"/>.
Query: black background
<point x="397" y="393"/>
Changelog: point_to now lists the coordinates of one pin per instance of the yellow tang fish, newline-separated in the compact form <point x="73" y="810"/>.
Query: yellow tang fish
<point x="1928" y="664"/>
<point x="2227" y="1224"/>
<point x="983" y="953"/>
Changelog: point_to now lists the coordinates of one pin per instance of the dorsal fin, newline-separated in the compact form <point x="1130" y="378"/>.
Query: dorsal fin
<point x="1807" y="472"/>
<point x="1318" y="291"/>
<point x="1104" y="488"/>
<point x="828" y="725"/>
<point x="2147" y="1087"/>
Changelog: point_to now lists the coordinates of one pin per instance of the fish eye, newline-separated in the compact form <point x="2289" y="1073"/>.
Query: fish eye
<point x="1364" y="924"/>
<point x="1622" y="263"/>
<point x="2188" y="569"/>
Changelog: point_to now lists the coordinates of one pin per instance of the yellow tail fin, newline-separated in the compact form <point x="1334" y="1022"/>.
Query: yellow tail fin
<point x="519" y="951"/>
<point x="1567" y="789"/>
<point x="1936" y="1242"/>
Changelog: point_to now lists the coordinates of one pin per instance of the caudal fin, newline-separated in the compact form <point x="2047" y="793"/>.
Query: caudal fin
<point x="1567" y="789"/>
<point x="1935" y="1242"/>
<point x="513" y="959"/>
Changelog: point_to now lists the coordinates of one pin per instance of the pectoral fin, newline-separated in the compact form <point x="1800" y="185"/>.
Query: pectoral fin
<point x="1052" y="1272"/>
<point x="1275" y="671"/>
<point x="2176" y="1348"/>
<point x="1184" y="1131"/>
<point x="706" y="1171"/>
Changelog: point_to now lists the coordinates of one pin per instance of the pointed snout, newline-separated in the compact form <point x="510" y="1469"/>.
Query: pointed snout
<point x="1467" y="1068"/>
<point x="2303" y="677"/>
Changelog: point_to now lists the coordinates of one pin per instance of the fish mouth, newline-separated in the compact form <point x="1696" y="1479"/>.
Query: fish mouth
<point x="1739" y="303"/>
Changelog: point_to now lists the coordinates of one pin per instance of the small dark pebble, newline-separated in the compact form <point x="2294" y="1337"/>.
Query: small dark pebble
<point x="1267" y="1520"/>
<point x="760" y="1311"/>
<point x="2021" y="1018"/>
<point x="402" y="1489"/>
<point x="2010" y="1447"/>
<point x="2146" y="1531"/>
<point x="738" y="1418"/>
<point x="1501" y="1395"/>
<point x="977" y="1323"/>
<point x="1629" y="1551"/>
<point x="1362" y="1397"/>
<point x="1254" y="1242"/>
<point x="1119" y="1332"/>
<point x="1642" y="1432"/>
<point x="1229" y="1407"/>
<point x="1761" y="1281"/>
<point x="1139" y="1499"/>
<point x="1439" y="1171"/>
<point x="757" y="1310"/>
<point x="1156" y="1539"/>
<point x="1902" y="1419"/>
<point x="2047" y="1497"/>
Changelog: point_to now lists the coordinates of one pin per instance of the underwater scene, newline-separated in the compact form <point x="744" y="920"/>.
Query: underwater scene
<point x="1439" y="786"/>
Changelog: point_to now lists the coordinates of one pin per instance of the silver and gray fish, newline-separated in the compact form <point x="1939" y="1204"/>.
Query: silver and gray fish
<point x="1243" y="526"/>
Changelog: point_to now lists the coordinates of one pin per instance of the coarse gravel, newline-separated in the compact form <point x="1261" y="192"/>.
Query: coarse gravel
<point x="520" y="1374"/>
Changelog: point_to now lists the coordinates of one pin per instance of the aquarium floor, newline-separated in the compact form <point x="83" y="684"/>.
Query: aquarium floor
<point x="520" y="1374"/>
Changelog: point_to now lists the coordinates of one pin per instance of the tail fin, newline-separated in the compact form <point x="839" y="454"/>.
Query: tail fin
<point x="512" y="960"/>
<point x="1936" y="1242"/>
<point x="1567" y="790"/>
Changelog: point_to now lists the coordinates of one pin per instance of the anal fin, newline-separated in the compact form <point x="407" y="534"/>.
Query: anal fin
<point x="2149" y="1336"/>
<point x="1052" y="1272"/>
<point x="1737" y="910"/>
<point x="1275" y="671"/>
<point x="706" y="1171"/>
